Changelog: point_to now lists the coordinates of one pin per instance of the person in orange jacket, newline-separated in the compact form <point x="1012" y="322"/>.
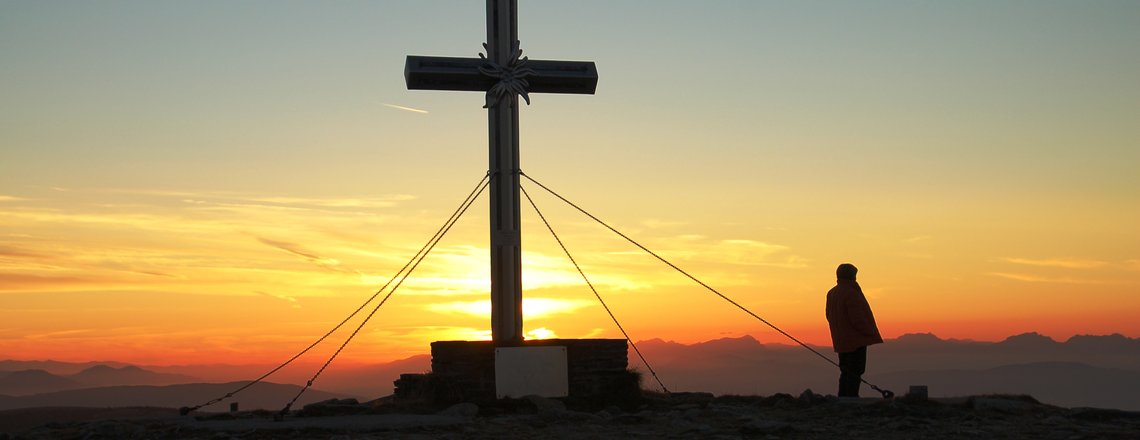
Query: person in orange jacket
<point x="852" y="328"/>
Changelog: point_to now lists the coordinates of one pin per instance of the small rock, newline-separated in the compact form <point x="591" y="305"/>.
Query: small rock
<point x="465" y="409"/>
<point x="762" y="427"/>
<point x="1004" y="405"/>
<point x="1101" y="414"/>
<point x="546" y="407"/>
<point x="334" y="407"/>
<point x="699" y="429"/>
<point x="633" y="419"/>
<point x="811" y="398"/>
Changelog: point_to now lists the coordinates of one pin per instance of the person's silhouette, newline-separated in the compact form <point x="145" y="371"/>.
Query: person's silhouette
<point x="852" y="328"/>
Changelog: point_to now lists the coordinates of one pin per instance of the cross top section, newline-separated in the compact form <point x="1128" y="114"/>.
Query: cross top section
<point x="504" y="74"/>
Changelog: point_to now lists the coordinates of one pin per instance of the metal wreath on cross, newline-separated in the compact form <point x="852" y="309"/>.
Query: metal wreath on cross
<point x="512" y="77"/>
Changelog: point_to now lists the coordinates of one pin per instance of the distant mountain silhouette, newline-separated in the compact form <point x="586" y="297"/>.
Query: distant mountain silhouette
<point x="1100" y="344"/>
<point x="268" y="396"/>
<point x="103" y="375"/>
<point x="370" y="382"/>
<point x="19" y="383"/>
<point x="57" y="368"/>
<point x="1083" y="371"/>
<point x="1029" y="342"/>
<point x="1059" y="383"/>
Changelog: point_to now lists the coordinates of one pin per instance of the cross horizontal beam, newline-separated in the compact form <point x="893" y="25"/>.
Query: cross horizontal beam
<point x="446" y="73"/>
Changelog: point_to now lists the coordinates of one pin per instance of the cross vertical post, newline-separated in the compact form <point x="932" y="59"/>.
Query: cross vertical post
<point x="506" y="234"/>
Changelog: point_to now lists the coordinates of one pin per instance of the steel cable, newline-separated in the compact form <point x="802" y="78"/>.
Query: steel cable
<point x="592" y="289"/>
<point x="447" y="227"/>
<point x="466" y="202"/>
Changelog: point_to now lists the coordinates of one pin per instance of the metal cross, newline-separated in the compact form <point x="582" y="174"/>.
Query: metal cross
<point x="504" y="74"/>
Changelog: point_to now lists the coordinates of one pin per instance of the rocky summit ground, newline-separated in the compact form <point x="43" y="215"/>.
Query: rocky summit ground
<point x="681" y="415"/>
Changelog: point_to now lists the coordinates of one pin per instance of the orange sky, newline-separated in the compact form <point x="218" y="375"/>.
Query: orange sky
<point x="218" y="182"/>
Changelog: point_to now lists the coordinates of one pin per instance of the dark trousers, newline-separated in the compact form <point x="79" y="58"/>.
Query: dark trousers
<point x="851" y="368"/>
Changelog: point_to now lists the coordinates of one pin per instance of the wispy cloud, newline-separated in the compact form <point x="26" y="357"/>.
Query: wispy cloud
<point x="30" y="282"/>
<point x="1064" y="263"/>
<point x="243" y="199"/>
<point x="61" y="333"/>
<point x="749" y="252"/>
<point x="407" y="109"/>
<point x="661" y="224"/>
<point x="295" y="249"/>
<point x="1040" y="279"/>
<point x="159" y="274"/>
<point x="291" y="300"/>
<point x="5" y="198"/>
<point x="540" y="333"/>
<point x="369" y="202"/>
<point x="9" y="251"/>
<point x="597" y="331"/>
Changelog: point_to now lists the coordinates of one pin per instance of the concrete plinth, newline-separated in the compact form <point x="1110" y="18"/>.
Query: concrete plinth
<point x="464" y="371"/>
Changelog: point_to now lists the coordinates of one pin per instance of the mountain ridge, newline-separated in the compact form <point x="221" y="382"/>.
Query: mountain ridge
<point x="744" y="365"/>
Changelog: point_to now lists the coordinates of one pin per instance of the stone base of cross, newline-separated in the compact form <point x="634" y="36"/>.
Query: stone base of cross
<point x="594" y="370"/>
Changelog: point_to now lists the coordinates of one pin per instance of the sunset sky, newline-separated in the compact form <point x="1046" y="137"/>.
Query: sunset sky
<point x="220" y="181"/>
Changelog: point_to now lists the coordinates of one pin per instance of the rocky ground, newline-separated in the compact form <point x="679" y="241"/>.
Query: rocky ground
<point x="682" y="415"/>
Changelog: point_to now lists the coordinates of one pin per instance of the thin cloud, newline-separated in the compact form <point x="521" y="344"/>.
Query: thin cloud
<point x="4" y="198"/>
<point x="375" y="202"/>
<point x="24" y="282"/>
<point x="8" y="251"/>
<point x="248" y="199"/>
<point x="1058" y="262"/>
<point x="61" y="333"/>
<point x="291" y="300"/>
<point x="596" y="332"/>
<point x="661" y="224"/>
<point x="754" y="253"/>
<point x="1040" y="279"/>
<point x="159" y="274"/>
<point x="407" y="109"/>
<point x="326" y="263"/>
<point x="540" y="333"/>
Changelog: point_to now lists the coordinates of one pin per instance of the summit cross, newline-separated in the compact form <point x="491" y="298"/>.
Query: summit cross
<point x="503" y="74"/>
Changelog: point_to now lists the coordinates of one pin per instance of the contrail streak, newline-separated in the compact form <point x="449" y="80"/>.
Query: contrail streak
<point x="408" y="109"/>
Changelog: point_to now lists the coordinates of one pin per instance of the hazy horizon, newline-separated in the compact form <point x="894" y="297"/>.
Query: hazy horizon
<point x="1028" y="364"/>
<point x="317" y="360"/>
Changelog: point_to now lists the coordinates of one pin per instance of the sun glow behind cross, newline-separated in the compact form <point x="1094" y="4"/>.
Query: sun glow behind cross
<point x="541" y="333"/>
<point x="532" y="307"/>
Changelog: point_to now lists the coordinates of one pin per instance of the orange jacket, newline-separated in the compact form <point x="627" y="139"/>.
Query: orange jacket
<point x="850" y="318"/>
